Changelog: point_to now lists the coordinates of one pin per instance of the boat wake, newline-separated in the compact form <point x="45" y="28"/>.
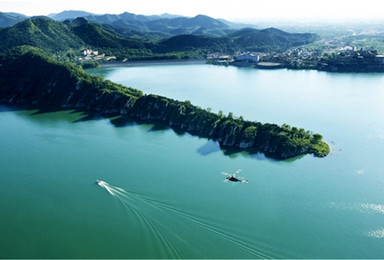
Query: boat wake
<point x="139" y="206"/>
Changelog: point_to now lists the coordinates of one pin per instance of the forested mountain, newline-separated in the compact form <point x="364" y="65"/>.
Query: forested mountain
<point x="70" y="14"/>
<point x="96" y="36"/>
<point x="246" y="39"/>
<point x="39" y="32"/>
<point x="9" y="19"/>
<point x="270" y="39"/>
<point x="128" y="24"/>
<point x="53" y="37"/>
<point x="169" y="25"/>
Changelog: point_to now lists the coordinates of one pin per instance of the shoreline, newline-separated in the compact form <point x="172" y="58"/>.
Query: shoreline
<point x="152" y="62"/>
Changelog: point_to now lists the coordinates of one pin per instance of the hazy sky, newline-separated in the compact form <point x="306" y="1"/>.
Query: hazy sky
<point x="235" y="10"/>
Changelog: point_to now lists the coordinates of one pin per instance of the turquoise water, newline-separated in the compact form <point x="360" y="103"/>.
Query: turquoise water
<point x="168" y="197"/>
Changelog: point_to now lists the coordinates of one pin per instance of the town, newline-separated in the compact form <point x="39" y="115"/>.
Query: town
<point x="343" y="59"/>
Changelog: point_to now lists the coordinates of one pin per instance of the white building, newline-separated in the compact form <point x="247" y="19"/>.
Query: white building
<point x="248" y="57"/>
<point x="88" y="52"/>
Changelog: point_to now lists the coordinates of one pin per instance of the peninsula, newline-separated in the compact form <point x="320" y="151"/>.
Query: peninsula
<point x="28" y="77"/>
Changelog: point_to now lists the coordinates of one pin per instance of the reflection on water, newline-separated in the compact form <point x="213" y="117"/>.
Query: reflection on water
<point x="209" y="147"/>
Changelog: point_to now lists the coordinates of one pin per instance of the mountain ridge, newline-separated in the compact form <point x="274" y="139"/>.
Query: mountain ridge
<point x="53" y="36"/>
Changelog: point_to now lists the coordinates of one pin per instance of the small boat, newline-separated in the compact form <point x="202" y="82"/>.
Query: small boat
<point x="233" y="177"/>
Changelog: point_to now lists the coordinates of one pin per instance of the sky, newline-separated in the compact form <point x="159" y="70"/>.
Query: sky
<point x="234" y="10"/>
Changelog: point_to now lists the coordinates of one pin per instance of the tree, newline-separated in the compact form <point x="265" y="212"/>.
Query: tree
<point x="221" y="114"/>
<point x="230" y="115"/>
<point x="316" y="138"/>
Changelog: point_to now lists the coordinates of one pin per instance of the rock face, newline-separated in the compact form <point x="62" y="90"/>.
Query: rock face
<point x="30" y="78"/>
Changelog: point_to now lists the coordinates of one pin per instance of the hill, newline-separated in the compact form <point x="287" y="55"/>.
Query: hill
<point x="96" y="36"/>
<point x="167" y="24"/>
<point x="66" y="39"/>
<point x="270" y="39"/>
<point x="69" y="14"/>
<point x="9" y="19"/>
<point x="29" y="78"/>
<point x="188" y="42"/>
<point x="54" y="37"/>
<point x="40" y="32"/>
<point x="245" y="39"/>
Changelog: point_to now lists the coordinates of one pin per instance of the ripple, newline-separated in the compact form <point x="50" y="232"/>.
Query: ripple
<point x="371" y="207"/>
<point x="379" y="233"/>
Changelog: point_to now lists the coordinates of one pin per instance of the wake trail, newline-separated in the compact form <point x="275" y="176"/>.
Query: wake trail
<point x="224" y="235"/>
<point x="128" y="198"/>
<point x="123" y="196"/>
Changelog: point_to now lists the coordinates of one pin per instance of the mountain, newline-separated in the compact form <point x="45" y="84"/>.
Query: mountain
<point x="96" y="36"/>
<point x="44" y="33"/>
<point x="70" y="14"/>
<point x="150" y="26"/>
<point x="188" y="42"/>
<point x="186" y="23"/>
<point x="168" y="24"/>
<point x="52" y="36"/>
<point x="164" y="16"/>
<point x="9" y="19"/>
<point x="71" y="35"/>
<point x="270" y="39"/>
<point x="248" y="39"/>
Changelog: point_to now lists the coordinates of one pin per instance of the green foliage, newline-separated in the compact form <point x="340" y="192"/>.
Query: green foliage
<point x="90" y="64"/>
<point x="39" y="32"/>
<point x="275" y="141"/>
<point x="29" y="77"/>
<point x="96" y="36"/>
<point x="245" y="39"/>
<point x="9" y="19"/>
<point x="65" y="40"/>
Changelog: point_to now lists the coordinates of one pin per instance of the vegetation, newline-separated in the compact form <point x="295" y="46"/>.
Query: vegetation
<point x="31" y="73"/>
<point x="9" y="19"/>
<point x="48" y="35"/>
<point x="29" y="77"/>
<point x="63" y="40"/>
<point x="242" y="40"/>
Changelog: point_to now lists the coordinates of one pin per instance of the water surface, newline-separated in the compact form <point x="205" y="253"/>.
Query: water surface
<point x="169" y="199"/>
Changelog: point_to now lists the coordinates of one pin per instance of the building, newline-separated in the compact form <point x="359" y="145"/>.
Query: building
<point x="380" y="58"/>
<point x="88" y="52"/>
<point x="249" y="57"/>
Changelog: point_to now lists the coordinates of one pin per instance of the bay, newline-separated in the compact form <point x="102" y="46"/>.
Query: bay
<point x="174" y="202"/>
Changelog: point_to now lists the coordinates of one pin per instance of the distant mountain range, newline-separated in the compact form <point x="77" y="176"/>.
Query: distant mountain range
<point x="134" y="36"/>
<point x="9" y="19"/>
<point x="53" y="36"/>
<point x="128" y="24"/>
<point x="68" y="15"/>
<point x="65" y="15"/>
<point x="247" y="39"/>
<point x="168" y="25"/>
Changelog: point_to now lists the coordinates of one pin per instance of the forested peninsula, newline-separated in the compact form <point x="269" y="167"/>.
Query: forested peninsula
<point x="28" y="77"/>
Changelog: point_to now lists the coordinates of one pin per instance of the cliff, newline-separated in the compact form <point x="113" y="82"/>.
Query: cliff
<point x="30" y="78"/>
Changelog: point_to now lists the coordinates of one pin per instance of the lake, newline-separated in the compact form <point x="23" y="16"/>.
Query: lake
<point x="165" y="196"/>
